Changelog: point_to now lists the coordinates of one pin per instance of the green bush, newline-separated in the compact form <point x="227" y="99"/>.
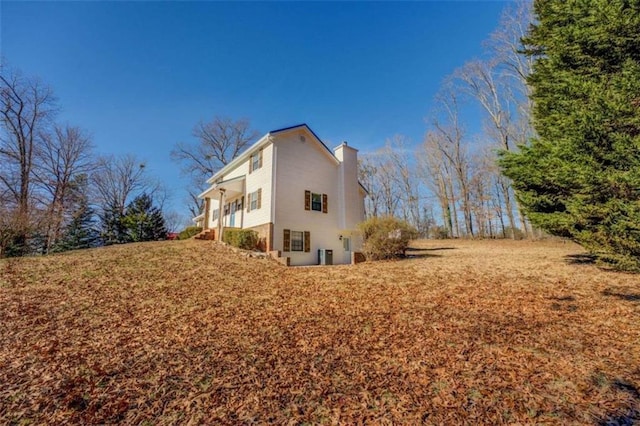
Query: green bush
<point x="189" y="232"/>
<point x="241" y="238"/>
<point x="386" y="237"/>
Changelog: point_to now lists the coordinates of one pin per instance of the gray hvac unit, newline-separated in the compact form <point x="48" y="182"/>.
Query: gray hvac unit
<point x="325" y="257"/>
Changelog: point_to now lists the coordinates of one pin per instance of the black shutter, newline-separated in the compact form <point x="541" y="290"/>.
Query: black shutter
<point x="286" y="241"/>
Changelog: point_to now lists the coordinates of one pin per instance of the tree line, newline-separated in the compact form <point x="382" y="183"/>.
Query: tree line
<point x="56" y="193"/>
<point x="558" y="90"/>
<point x="450" y="185"/>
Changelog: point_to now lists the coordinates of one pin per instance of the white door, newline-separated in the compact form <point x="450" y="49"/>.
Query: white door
<point x="346" y="244"/>
<point x="232" y="218"/>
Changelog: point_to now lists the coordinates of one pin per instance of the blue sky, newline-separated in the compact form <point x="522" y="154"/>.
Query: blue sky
<point x="139" y="75"/>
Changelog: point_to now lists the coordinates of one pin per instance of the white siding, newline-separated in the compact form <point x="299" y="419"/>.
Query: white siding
<point x="291" y="166"/>
<point x="353" y="200"/>
<point x="260" y="178"/>
<point x="306" y="166"/>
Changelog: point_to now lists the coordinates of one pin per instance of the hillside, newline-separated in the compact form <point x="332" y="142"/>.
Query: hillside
<point x="192" y="332"/>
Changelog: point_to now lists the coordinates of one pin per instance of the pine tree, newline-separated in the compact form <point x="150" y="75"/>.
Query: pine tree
<point x="81" y="232"/>
<point x="143" y="221"/>
<point x="581" y="177"/>
<point x="113" y="229"/>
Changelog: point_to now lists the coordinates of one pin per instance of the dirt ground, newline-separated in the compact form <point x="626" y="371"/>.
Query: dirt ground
<point x="461" y="332"/>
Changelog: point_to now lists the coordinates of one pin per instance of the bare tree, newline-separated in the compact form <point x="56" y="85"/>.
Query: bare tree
<point x="396" y="151"/>
<point x="26" y="108"/>
<point x="116" y="181"/>
<point x="487" y="205"/>
<point x="505" y="44"/>
<point x="435" y="172"/>
<point x="506" y="50"/>
<point x="175" y="221"/>
<point x="500" y="85"/>
<point x="453" y="150"/>
<point x="481" y="81"/>
<point x="219" y="141"/>
<point x="63" y="163"/>
<point x="379" y="174"/>
<point x="367" y="175"/>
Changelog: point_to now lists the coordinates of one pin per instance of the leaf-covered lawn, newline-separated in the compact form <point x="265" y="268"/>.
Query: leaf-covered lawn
<point x="192" y="332"/>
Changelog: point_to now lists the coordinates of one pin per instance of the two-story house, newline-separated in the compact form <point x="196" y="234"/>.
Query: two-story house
<point x="297" y="194"/>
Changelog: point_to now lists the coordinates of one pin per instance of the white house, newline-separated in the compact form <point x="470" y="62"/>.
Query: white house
<point x="297" y="194"/>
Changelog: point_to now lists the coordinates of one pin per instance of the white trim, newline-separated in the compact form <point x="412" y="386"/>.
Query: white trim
<point x="344" y="144"/>
<point x="216" y="186"/>
<point x="264" y="140"/>
<point x="240" y="158"/>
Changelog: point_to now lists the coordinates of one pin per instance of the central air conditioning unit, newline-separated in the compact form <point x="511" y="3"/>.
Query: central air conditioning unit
<point x="325" y="257"/>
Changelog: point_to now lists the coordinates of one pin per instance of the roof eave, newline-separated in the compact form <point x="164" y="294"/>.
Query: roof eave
<point x="240" y="158"/>
<point x="305" y="126"/>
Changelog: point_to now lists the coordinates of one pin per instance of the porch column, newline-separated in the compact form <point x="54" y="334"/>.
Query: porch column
<point x="207" y="208"/>
<point x="220" y="214"/>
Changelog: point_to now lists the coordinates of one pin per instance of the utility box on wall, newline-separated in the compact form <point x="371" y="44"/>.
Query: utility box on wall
<point x="325" y="257"/>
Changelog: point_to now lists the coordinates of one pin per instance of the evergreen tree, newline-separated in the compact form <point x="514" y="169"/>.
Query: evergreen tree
<point x="143" y="221"/>
<point x="81" y="232"/>
<point x="113" y="229"/>
<point x="581" y="177"/>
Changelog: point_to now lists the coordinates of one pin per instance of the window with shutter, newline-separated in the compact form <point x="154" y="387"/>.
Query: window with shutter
<point x="255" y="200"/>
<point x="297" y="241"/>
<point x="316" y="202"/>
<point x="255" y="161"/>
<point x="286" y="240"/>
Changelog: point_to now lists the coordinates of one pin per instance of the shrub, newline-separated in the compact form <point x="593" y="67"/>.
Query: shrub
<point x="189" y="232"/>
<point x="242" y="238"/>
<point x="386" y="237"/>
<point x="440" y="233"/>
<point x="517" y="233"/>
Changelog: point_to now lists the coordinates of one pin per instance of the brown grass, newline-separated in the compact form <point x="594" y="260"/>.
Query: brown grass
<point x="191" y="332"/>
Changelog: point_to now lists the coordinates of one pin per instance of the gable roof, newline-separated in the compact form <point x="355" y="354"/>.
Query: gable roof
<point x="264" y="140"/>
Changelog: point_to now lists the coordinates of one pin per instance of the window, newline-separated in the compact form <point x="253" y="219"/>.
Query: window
<point x="255" y="200"/>
<point x="215" y="214"/>
<point x="255" y="161"/>
<point x="297" y="241"/>
<point x="316" y="202"/>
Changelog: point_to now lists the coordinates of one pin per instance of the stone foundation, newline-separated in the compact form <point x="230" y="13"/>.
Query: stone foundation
<point x="265" y="236"/>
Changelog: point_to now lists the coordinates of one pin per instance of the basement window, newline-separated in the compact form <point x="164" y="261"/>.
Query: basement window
<point x="297" y="241"/>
